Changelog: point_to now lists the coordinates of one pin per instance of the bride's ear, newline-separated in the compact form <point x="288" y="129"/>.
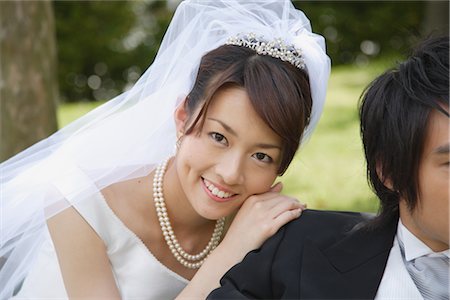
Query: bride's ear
<point x="181" y="116"/>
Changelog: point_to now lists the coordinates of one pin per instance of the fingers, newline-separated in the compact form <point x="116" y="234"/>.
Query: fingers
<point x="283" y="212"/>
<point x="286" y="204"/>
<point x="286" y="217"/>
<point x="275" y="210"/>
<point x="277" y="187"/>
<point x="260" y="217"/>
<point x="271" y="205"/>
<point x="271" y="200"/>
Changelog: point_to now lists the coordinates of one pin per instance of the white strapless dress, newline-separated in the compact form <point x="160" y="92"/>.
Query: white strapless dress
<point x="138" y="274"/>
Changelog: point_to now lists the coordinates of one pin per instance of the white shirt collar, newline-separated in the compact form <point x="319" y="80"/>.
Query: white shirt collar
<point x="414" y="247"/>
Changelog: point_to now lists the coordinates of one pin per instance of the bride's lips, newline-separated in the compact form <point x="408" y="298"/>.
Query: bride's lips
<point x="224" y="192"/>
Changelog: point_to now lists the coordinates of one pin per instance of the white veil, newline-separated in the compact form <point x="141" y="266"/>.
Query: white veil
<point x="126" y="137"/>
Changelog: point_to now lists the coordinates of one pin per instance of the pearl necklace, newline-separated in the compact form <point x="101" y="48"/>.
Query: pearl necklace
<point x="188" y="260"/>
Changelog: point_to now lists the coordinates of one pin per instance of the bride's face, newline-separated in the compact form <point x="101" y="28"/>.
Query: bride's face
<point x="235" y="155"/>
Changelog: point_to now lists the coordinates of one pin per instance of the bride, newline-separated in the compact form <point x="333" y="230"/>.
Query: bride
<point x="158" y="192"/>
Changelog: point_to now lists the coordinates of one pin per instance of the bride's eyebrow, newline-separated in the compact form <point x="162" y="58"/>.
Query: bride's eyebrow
<point x="225" y="126"/>
<point x="444" y="149"/>
<point x="268" y="146"/>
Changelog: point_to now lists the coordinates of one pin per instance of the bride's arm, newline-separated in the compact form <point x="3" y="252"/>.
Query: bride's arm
<point x="82" y="257"/>
<point x="259" y="218"/>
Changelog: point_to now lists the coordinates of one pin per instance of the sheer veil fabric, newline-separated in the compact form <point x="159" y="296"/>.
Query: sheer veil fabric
<point x="127" y="136"/>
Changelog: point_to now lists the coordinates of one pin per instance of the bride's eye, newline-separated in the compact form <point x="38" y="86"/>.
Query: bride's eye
<point x="263" y="157"/>
<point x="218" y="138"/>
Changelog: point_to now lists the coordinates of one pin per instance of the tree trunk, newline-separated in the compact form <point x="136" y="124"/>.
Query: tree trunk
<point x="28" y="81"/>
<point x="436" y="18"/>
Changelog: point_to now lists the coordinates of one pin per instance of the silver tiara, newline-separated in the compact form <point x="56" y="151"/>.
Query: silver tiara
<point x="276" y="48"/>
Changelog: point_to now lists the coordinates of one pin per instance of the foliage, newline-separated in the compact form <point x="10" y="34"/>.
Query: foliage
<point x="105" y="45"/>
<point x="357" y="31"/>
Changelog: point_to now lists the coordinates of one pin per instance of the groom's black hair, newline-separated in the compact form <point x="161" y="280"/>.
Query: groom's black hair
<point x="394" y="113"/>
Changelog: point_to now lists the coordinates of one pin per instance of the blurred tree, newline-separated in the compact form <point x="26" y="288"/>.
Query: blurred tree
<point x="89" y="50"/>
<point x="103" y="46"/>
<point x="436" y="18"/>
<point x="357" y="31"/>
<point x="29" y="88"/>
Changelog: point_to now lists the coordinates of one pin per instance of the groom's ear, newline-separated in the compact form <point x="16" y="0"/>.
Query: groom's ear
<point x="181" y="116"/>
<point x="385" y="180"/>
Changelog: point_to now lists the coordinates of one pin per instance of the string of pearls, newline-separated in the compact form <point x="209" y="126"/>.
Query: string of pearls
<point x="188" y="260"/>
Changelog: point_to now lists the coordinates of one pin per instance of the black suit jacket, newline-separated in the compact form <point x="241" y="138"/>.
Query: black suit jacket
<point x="321" y="255"/>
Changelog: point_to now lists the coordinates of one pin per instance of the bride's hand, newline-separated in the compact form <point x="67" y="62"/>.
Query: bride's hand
<point x="259" y="218"/>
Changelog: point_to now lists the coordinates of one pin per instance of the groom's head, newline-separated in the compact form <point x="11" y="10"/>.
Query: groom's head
<point x="404" y="126"/>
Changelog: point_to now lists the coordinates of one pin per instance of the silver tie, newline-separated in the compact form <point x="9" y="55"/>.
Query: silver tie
<point x="430" y="274"/>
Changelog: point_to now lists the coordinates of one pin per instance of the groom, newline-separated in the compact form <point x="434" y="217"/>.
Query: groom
<point x="342" y="255"/>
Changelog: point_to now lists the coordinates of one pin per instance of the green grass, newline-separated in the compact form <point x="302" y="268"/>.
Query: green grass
<point x="68" y="112"/>
<point x="329" y="171"/>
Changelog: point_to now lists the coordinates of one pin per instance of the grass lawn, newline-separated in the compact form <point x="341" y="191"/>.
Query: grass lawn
<point x="68" y="112"/>
<point x="329" y="171"/>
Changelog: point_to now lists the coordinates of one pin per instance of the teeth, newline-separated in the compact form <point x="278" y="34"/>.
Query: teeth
<point x="215" y="191"/>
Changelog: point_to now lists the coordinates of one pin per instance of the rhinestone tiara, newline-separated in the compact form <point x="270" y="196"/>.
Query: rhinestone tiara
<point x="276" y="48"/>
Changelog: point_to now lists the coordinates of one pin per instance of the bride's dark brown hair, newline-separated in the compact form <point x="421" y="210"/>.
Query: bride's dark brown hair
<point x="278" y="91"/>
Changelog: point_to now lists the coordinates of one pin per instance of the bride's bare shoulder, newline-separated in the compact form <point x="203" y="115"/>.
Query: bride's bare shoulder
<point x="126" y="188"/>
<point x="126" y="198"/>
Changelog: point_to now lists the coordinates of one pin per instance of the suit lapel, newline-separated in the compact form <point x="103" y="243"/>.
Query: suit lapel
<point x="350" y="268"/>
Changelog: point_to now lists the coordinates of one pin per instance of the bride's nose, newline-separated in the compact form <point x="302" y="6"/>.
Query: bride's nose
<point x="230" y="167"/>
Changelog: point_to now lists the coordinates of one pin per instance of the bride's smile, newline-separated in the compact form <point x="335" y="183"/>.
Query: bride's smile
<point x="226" y="155"/>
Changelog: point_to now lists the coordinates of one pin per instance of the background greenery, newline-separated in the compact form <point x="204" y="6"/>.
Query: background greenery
<point x="329" y="171"/>
<point x="104" y="46"/>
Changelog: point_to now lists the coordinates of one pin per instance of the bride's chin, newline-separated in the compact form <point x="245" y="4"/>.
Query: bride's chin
<point x="212" y="213"/>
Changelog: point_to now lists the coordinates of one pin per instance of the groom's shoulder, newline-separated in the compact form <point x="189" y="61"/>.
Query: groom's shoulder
<point x="317" y="223"/>
<point x="316" y="216"/>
